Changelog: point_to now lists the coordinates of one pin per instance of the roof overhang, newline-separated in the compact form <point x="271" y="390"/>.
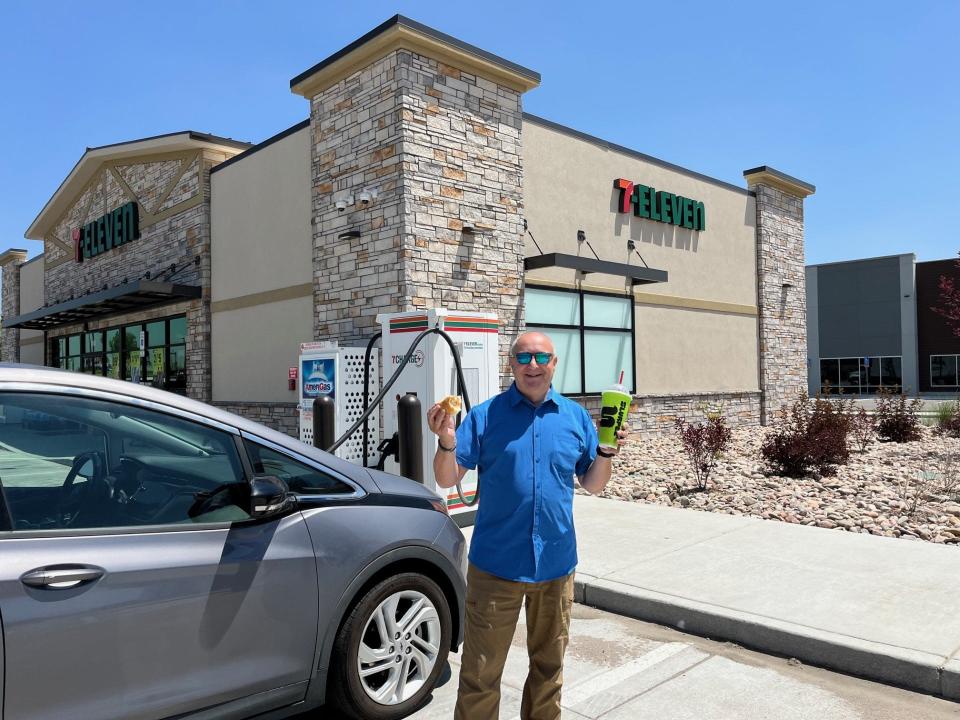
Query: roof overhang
<point x="400" y="32"/>
<point x="766" y="175"/>
<point x="93" y="158"/>
<point x="637" y="275"/>
<point x="128" y="297"/>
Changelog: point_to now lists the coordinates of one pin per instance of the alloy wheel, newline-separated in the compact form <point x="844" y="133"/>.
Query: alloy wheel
<point x="399" y="647"/>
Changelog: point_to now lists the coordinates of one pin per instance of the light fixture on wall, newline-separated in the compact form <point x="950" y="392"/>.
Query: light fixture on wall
<point x="349" y="235"/>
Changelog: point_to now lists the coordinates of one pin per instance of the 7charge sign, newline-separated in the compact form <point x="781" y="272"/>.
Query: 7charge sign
<point x="319" y="377"/>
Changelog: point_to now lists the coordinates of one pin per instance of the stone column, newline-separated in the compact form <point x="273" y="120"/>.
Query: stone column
<point x="10" y="262"/>
<point x="781" y="287"/>
<point x="428" y="130"/>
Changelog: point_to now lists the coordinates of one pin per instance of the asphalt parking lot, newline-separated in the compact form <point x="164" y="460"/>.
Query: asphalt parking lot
<point x="619" y="669"/>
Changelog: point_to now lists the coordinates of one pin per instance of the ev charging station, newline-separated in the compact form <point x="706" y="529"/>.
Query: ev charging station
<point x="431" y="375"/>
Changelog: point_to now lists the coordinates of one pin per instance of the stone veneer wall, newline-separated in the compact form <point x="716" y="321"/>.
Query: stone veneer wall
<point x="657" y="413"/>
<point x="282" y="417"/>
<point x="441" y="147"/>
<point x="781" y="283"/>
<point x="10" y="305"/>
<point x="173" y="192"/>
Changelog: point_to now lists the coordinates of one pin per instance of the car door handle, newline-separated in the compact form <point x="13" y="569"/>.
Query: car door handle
<point x="60" y="578"/>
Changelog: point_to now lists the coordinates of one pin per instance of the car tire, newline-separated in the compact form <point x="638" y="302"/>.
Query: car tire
<point x="391" y="648"/>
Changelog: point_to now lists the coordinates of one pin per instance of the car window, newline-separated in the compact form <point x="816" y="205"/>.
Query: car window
<point x="299" y="477"/>
<point x="69" y="462"/>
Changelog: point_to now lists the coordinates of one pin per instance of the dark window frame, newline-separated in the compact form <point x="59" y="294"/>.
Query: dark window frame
<point x="864" y="386"/>
<point x="584" y="329"/>
<point x="956" y="359"/>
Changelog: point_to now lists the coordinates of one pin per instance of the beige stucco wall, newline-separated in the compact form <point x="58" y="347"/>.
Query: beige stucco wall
<point x="681" y="350"/>
<point x="260" y="211"/>
<point x="262" y="270"/>
<point x="254" y="347"/>
<point x="696" y="332"/>
<point x="31" y="298"/>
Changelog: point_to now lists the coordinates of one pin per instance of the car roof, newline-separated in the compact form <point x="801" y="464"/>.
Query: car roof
<point x="36" y="374"/>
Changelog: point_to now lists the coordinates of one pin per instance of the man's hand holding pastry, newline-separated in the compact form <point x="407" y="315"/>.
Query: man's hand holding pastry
<point x="440" y="419"/>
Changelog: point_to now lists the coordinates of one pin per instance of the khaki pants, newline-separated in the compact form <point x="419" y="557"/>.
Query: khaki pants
<point x="493" y="606"/>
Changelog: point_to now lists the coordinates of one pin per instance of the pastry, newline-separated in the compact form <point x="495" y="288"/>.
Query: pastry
<point x="451" y="404"/>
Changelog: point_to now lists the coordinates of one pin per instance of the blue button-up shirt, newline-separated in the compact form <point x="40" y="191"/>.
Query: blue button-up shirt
<point x="526" y="458"/>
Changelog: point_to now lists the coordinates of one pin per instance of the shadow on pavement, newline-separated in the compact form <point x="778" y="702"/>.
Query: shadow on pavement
<point x="329" y="713"/>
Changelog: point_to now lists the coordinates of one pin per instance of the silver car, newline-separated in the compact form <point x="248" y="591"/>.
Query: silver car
<point x="161" y="558"/>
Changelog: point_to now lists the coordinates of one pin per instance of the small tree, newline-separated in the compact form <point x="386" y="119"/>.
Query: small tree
<point x="949" y="306"/>
<point x="702" y="444"/>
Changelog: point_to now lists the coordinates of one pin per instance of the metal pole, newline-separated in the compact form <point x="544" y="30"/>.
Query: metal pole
<point x="324" y="421"/>
<point x="411" y="437"/>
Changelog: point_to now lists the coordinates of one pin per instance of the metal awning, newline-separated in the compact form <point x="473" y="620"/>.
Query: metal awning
<point x="637" y="275"/>
<point x="125" y="298"/>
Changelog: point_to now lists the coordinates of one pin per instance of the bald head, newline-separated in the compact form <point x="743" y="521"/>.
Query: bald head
<point x="533" y="379"/>
<point x="533" y="335"/>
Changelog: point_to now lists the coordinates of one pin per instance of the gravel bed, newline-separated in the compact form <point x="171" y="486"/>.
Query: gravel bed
<point x="892" y="489"/>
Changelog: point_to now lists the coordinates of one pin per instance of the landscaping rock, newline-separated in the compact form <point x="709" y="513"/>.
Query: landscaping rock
<point x="886" y="490"/>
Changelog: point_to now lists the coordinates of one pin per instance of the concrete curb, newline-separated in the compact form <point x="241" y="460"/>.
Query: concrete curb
<point x="910" y="669"/>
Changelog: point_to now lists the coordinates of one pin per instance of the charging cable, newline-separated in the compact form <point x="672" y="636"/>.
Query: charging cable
<point x="362" y="420"/>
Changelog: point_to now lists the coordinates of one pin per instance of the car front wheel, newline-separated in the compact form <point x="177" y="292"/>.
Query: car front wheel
<point x="391" y="648"/>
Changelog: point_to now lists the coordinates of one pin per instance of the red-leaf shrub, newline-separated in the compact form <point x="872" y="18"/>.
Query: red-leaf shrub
<point x="862" y="429"/>
<point x="702" y="444"/>
<point x="897" y="419"/>
<point x="812" y="435"/>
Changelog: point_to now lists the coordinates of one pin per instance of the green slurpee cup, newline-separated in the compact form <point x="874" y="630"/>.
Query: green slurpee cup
<point x="616" y="403"/>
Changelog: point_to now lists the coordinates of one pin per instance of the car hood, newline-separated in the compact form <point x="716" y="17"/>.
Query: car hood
<point x="397" y="485"/>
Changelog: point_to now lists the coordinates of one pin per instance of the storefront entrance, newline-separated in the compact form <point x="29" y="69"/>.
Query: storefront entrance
<point x="152" y="353"/>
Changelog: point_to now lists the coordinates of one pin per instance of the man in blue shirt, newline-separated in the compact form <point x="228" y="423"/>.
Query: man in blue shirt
<point x="527" y="443"/>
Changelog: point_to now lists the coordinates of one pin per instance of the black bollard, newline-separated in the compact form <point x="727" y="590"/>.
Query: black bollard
<point x="324" y="421"/>
<point x="411" y="437"/>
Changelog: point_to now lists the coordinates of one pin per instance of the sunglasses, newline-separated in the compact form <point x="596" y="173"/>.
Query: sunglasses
<point x="524" y="358"/>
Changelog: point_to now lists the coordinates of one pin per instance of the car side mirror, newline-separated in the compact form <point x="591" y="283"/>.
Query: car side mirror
<point x="270" y="497"/>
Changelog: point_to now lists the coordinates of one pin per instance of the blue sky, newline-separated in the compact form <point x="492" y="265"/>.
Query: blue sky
<point x="860" y="99"/>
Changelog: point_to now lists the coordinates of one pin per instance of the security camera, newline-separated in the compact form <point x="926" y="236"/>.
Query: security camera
<point x="341" y="205"/>
<point x="343" y="202"/>
<point x="364" y="197"/>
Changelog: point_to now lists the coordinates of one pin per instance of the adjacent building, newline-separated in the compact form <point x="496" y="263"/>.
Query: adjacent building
<point x="199" y="264"/>
<point x="873" y="324"/>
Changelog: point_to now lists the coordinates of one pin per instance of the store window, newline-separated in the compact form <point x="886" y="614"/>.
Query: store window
<point x="153" y="353"/>
<point x="861" y="376"/>
<point x="943" y="371"/>
<point x="592" y="333"/>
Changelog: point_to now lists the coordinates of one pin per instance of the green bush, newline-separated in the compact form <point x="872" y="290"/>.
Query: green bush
<point x="948" y="419"/>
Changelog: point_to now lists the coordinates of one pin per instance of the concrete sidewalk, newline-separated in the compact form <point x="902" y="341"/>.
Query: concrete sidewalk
<point x="881" y="608"/>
